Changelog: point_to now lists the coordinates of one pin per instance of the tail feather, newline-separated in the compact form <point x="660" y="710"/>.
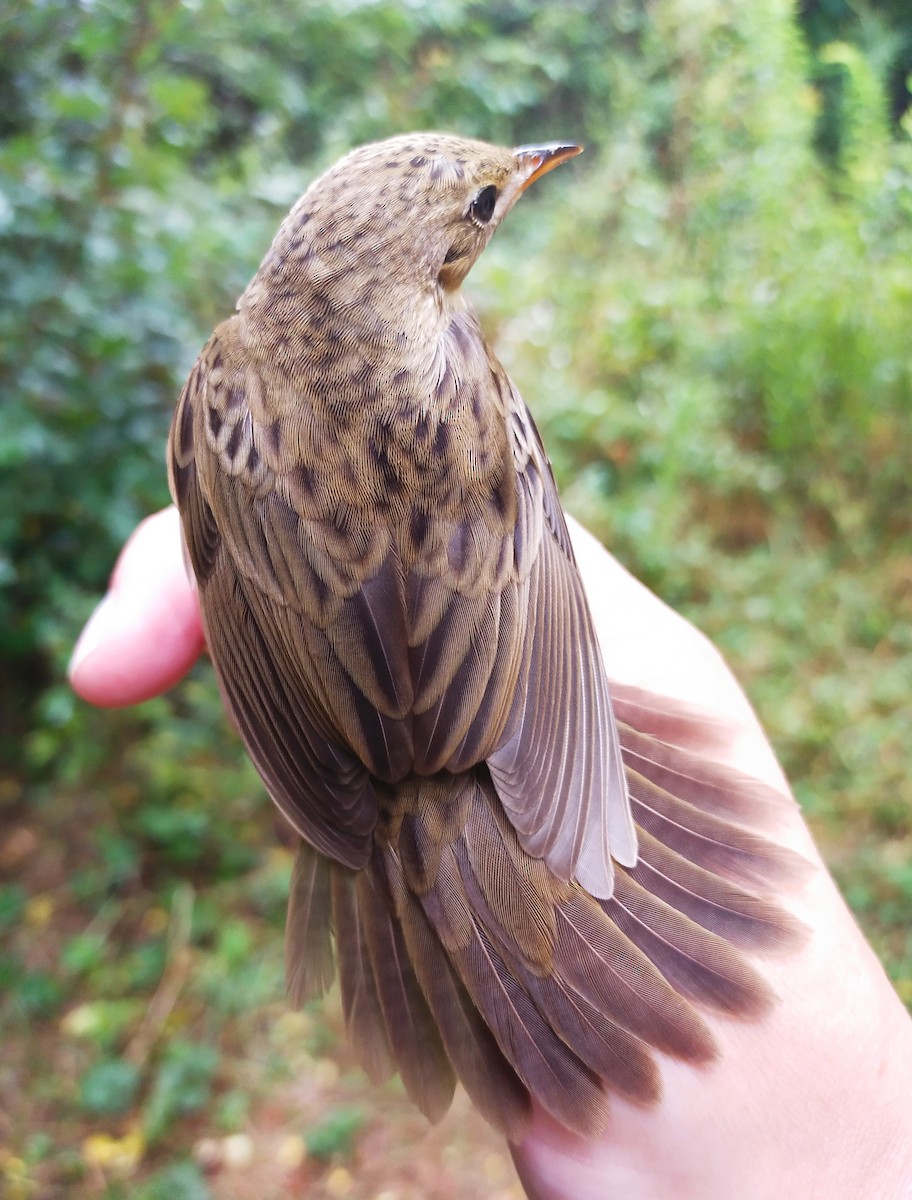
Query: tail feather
<point x="622" y="1060"/>
<point x="461" y="956"/>
<point x="309" y="962"/>
<point x="709" y="841"/>
<point x="483" y="1070"/>
<point x="710" y="786"/>
<point x="668" y="720"/>
<point x="735" y="914"/>
<point x="613" y="973"/>
<point x="411" y="1031"/>
<point x="575" y="946"/>
<point x="360" y="998"/>
<point x="699" y="966"/>
<point x="545" y="1064"/>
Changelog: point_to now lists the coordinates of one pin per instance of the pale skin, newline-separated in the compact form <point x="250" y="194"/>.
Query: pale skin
<point x="813" y="1101"/>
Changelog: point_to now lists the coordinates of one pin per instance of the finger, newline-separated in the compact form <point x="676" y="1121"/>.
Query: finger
<point x="146" y="633"/>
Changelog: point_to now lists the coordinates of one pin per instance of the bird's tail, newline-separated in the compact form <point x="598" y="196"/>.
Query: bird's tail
<point x="460" y="956"/>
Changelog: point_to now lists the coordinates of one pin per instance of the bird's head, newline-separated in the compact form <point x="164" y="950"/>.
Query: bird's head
<point x="434" y="200"/>
<point x="413" y="212"/>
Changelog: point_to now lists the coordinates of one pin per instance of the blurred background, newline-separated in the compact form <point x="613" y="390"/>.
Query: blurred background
<point x="709" y="314"/>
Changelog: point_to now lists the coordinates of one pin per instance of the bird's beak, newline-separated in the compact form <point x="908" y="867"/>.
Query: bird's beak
<point x="535" y="161"/>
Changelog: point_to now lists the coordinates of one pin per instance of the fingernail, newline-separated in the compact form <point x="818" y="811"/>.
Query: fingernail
<point x="98" y="627"/>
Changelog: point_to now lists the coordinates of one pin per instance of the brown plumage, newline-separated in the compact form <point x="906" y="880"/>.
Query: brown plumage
<point x="528" y="889"/>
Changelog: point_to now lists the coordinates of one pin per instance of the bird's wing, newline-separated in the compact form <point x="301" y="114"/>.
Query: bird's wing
<point x="244" y="551"/>
<point x="344" y="653"/>
<point x="558" y="768"/>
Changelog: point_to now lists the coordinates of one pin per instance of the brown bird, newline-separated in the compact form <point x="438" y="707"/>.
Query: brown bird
<point x="534" y="882"/>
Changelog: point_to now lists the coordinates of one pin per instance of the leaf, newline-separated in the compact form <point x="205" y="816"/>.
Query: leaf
<point x="102" y="1021"/>
<point x="180" y="1181"/>
<point x="109" y="1088"/>
<point x="335" y="1133"/>
<point x="182" y="1085"/>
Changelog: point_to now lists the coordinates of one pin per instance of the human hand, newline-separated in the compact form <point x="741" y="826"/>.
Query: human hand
<point x="811" y="1101"/>
<point x="146" y="633"/>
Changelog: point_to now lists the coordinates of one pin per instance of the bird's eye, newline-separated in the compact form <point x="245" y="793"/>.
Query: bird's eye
<point x="482" y="207"/>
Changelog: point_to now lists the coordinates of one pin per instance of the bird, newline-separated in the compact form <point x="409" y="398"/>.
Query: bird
<point x="529" y="879"/>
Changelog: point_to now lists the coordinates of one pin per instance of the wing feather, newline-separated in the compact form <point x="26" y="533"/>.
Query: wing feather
<point x="568" y="798"/>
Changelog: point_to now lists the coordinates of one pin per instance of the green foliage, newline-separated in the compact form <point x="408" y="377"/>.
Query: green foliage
<point x="708" y="313"/>
<point x="37" y="993"/>
<point x="12" y="905"/>
<point x="335" y="1133"/>
<point x="109" y="1087"/>
<point x="181" y="1181"/>
<point x="881" y="30"/>
<point x="105" y="1022"/>
<point x="182" y="1085"/>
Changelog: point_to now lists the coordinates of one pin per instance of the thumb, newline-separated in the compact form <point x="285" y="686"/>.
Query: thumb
<point x="146" y="633"/>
